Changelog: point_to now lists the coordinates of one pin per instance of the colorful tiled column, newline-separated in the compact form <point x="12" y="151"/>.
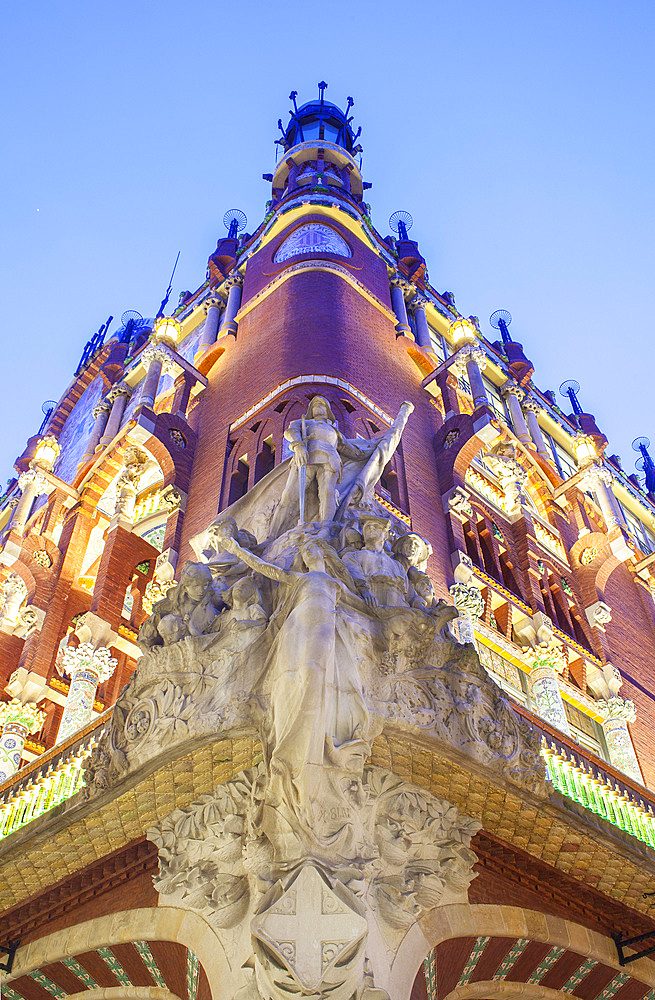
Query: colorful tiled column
<point x="470" y="604"/>
<point x="546" y="665"/>
<point x="617" y="713"/>
<point x="17" y="722"/>
<point x="87" y="667"/>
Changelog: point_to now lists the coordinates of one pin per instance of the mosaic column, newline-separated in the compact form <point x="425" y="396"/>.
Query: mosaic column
<point x="546" y="665"/>
<point x="87" y="667"/>
<point x="118" y="397"/>
<point x="418" y="304"/>
<point x="598" y="479"/>
<point x="513" y="394"/>
<point x="471" y="361"/>
<point x="156" y="359"/>
<point x="617" y="713"/>
<point x="228" y="322"/>
<point x="32" y="484"/>
<point x="470" y="605"/>
<point x="531" y="409"/>
<point x="17" y="722"/>
<point x="398" y="287"/>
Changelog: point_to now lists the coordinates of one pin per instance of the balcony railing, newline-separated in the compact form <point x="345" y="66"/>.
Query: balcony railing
<point x="576" y="772"/>
<point x="595" y="784"/>
<point x="50" y="779"/>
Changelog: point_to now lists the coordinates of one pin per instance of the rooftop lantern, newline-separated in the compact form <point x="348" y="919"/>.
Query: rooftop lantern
<point x="645" y="463"/>
<point x="463" y="332"/>
<point x="46" y="453"/>
<point x="585" y="450"/>
<point x="319" y="120"/>
<point x="167" y="331"/>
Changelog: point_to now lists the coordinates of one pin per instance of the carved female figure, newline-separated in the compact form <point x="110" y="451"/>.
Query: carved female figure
<point x="315" y="729"/>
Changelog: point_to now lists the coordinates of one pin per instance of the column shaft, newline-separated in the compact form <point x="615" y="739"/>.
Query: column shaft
<point x="228" y="324"/>
<point x="547" y="698"/>
<point x="22" y="511"/>
<point x="114" y="422"/>
<point x="536" y="433"/>
<point x="101" y="413"/>
<point x="620" y="747"/>
<point x="210" y="329"/>
<point x="422" y="329"/>
<point x="518" y="420"/>
<point x="150" y="384"/>
<point x="478" y="390"/>
<point x="400" y="309"/>
<point x="79" y="703"/>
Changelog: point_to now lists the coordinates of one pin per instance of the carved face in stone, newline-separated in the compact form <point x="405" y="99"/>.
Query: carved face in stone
<point x="319" y="409"/>
<point x="423" y="586"/>
<point x="195" y="580"/>
<point x="412" y="548"/>
<point x="312" y="556"/>
<point x="244" y="592"/>
<point x="375" y="532"/>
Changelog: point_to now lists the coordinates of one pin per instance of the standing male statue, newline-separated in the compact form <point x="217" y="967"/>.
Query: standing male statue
<point x="324" y="460"/>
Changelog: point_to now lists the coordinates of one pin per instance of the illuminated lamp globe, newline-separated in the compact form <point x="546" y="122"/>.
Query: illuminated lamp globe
<point x="585" y="450"/>
<point x="46" y="452"/>
<point x="463" y="332"/>
<point x="167" y="330"/>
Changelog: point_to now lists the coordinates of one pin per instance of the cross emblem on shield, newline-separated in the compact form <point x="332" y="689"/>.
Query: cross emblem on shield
<point x="310" y="927"/>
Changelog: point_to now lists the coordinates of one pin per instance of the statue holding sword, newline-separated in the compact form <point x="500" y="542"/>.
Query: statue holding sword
<point x="324" y="460"/>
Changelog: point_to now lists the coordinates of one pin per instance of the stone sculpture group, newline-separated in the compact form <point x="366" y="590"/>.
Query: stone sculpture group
<point x="310" y="618"/>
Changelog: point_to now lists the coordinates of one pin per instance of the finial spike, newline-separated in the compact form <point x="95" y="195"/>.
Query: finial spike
<point x="292" y="97"/>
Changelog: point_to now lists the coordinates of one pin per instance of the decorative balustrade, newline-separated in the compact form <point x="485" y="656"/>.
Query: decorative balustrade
<point x="485" y="488"/>
<point x="150" y="503"/>
<point x="594" y="784"/>
<point x="52" y="778"/>
<point x="549" y="538"/>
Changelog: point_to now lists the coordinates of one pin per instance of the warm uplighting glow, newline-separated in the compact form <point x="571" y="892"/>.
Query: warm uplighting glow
<point x="46" y="452"/>
<point x="585" y="450"/>
<point x="167" y="330"/>
<point x="462" y="331"/>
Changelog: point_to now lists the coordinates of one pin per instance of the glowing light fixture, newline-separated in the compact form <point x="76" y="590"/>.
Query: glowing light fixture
<point x="167" y="330"/>
<point x="463" y="332"/>
<point x="585" y="450"/>
<point x="46" y="452"/>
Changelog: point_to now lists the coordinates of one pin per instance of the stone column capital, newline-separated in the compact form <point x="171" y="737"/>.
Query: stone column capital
<point x="419" y="301"/>
<point x="616" y="708"/>
<point x="467" y="599"/>
<point x="16" y="713"/>
<point x="397" y="281"/>
<point x="533" y="405"/>
<point x="35" y="478"/>
<point x="466" y="354"/>
<point x="551" y="656"/>
<point x="234" y="279"/>
<point x="512" y="389"/>
<point x="158" y="353"/>
<point x="87" y="657"/>
<point x="213" y="302"/>
<point x="594" y="475"/>
<point x="104" y="406"/>
<point x="120" y="389"/>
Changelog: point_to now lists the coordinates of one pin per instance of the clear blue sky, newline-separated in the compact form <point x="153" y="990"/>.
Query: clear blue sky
<point x="519" y="135"/>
